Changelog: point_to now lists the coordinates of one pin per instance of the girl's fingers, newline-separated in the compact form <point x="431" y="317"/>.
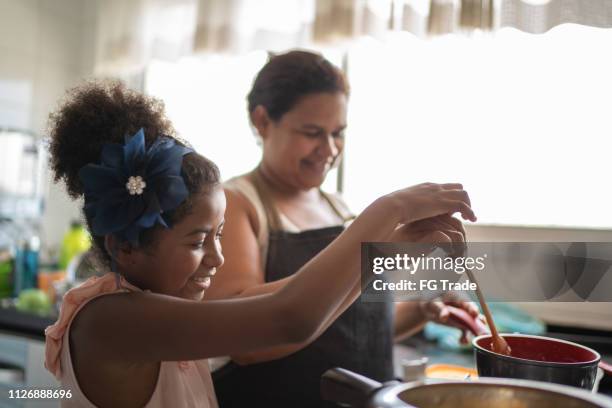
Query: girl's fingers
<point x="459" y="206"/>
<point x="453" y="222"/>
<point x="460" y="195"/>
<point x="441" y="223"/>
<point x="428" y="200"/>
<point x="436" y="231"/>
<point x="455" y="236"/>
<point x="452" y="186"/>
<point x="437" y="237"/>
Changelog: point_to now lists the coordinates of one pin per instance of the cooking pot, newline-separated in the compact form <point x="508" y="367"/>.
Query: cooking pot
<point x="351" y="389"/>
<point x="533" y="357"/>
<point x="539" y="358"/>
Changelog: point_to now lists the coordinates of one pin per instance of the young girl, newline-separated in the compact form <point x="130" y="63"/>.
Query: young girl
<point x="139" y="334"/>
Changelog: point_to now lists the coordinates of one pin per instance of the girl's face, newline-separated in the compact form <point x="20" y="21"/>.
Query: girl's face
<point x="302" y="146"/>
<point x="183" y="259"/>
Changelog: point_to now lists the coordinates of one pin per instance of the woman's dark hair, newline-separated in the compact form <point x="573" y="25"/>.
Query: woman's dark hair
<point x="100" y="112"/>
<point x="287" y="77"/>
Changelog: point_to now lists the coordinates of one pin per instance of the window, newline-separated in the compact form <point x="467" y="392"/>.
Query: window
<point x="521" y="120"/>
<point x="206" y="100"/>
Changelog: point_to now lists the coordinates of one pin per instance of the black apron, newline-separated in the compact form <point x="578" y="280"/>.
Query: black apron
<point x="360" y="340"/>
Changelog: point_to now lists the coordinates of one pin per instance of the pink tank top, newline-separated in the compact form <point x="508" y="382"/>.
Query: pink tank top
<point x="180" y="384"/>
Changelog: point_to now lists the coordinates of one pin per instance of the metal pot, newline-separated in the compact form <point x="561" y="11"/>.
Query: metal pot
<point x="539" y="358"/>
<point x="351" y="389"/>
<point x="533" y="357"/>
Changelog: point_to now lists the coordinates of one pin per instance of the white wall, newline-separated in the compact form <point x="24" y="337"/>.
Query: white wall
<point x="45" y="48"/>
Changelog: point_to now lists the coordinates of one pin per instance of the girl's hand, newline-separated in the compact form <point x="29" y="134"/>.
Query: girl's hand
<point x="438" y="230"/>
<point x="441" y="230"/>
<point x="429" y="200"/>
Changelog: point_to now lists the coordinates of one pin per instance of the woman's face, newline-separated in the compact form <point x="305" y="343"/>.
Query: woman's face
<point x="183" y="259"/>
<point x="302" y="146"/>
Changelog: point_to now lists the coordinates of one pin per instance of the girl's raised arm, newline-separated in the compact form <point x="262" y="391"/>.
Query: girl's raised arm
<point x="146" y="327"/>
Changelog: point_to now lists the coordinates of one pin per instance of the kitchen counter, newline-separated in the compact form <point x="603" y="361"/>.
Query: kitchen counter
<point x="21" y="324"/>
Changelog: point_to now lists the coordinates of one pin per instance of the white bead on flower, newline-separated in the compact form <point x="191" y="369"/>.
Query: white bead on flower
<point x="135" y="185"/>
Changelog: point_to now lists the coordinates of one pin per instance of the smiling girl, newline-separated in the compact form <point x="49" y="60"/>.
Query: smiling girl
<point x="138" y="335"/>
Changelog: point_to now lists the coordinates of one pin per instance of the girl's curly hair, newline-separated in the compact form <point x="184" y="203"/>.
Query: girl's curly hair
<point x="99" y="112"/>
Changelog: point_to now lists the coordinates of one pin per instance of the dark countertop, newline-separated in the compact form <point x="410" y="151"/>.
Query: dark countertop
<point x="17" y="323"/>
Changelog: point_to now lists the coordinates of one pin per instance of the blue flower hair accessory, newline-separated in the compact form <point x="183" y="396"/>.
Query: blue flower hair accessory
<point x="132" y="188"/>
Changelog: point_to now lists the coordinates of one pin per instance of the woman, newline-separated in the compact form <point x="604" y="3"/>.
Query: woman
<point x="278" y="219"/>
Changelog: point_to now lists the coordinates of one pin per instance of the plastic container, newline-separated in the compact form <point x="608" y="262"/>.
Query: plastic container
<point x="76" y="241"/>
<point x="26" y="264"/>
<point x="46" y="280"/>
<point x="6" y="274"/>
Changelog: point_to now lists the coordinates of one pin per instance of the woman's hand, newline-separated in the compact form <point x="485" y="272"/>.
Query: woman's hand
<point x="436" y="310"/>
<point x="429" y="200"/>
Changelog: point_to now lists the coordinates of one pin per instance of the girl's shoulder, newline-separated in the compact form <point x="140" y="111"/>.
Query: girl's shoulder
<point x="74" y="304"/>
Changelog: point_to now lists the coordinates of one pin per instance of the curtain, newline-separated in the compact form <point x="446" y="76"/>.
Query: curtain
<point x="538" y="16"/>
<point x="131" y="32"/>
<point x="244" y="25"/>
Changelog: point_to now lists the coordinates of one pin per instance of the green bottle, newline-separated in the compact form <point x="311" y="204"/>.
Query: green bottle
<point x="76" y="241"/>
<point x="6" y="273"/>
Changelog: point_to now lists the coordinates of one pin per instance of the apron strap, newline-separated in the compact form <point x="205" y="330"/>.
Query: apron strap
<point x="263" y="191"/>
<point x="336" y="205"/>
<point x="272" y="214"/>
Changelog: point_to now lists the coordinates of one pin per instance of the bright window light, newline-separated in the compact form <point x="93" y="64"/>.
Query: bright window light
<point x="206" y="100"/>
<point x="522" y="120"/>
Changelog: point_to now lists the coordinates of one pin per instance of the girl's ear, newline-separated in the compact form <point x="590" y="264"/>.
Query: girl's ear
<point x="121" y="252"/>
<point x="260" y="120"/>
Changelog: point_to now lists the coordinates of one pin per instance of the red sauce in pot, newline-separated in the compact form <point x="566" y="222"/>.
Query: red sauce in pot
<point x="543" y="349"/>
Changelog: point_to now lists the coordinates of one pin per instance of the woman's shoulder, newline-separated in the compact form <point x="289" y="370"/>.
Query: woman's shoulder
<point x="239" y="183"/>
<point x="241" y="190"/>
<point x="243" y="196"/>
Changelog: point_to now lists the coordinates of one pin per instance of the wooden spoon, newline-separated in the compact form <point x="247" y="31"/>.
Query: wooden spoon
<point x="499" y="344"/>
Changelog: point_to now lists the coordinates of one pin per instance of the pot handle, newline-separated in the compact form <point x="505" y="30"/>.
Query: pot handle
<point x="346" y="387"/>
<point x="606" y="367"/>
<point x="462" y="319"/>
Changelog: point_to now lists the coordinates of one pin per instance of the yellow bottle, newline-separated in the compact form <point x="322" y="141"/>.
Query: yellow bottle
<point x="76" y="241"/>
